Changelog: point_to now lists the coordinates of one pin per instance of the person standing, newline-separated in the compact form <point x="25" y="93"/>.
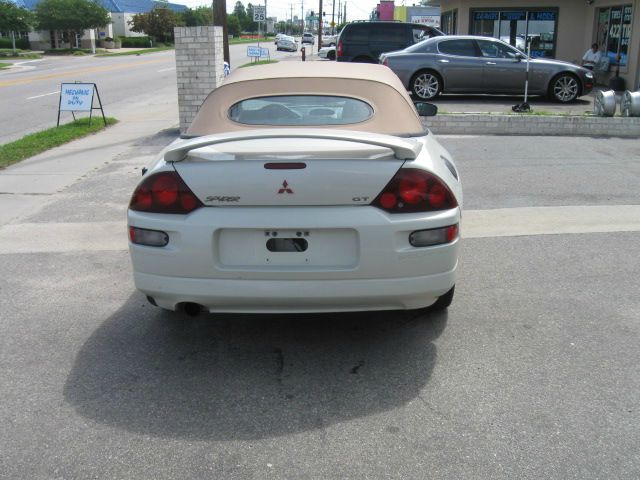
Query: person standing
<point x="591" y="57"/>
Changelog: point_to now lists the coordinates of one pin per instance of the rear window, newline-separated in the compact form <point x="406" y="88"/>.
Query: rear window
<point x="300" y="110"/>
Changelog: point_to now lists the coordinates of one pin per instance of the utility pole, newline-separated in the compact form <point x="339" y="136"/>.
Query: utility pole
<point x="320" y="25"/>
<point x="344" y="17"/>
<point x="333" y="18"/>
<point x="291" y="32"/>
<point x="302" y="18"/>
<point x="220" y="20"/>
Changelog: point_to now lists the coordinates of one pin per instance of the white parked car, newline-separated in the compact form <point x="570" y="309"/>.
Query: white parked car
<point x="329" y="40"/>
<point x="308" y="38"/>
<point x="285" y="42"/>
<point x="327" y="53"/>
<point x="290" y="196"/>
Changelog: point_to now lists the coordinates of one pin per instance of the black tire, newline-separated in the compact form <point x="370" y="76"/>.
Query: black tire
<point x="363" y="59"/>
<point x="564" y="88"/>
<point x="443" y="301"/>
<point x="331" y="55"/>
<point x="426" y="84"/>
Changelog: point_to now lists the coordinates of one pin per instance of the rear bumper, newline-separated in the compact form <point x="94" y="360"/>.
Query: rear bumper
<point x="207" y="261"/>
<point x="272" y="296"/>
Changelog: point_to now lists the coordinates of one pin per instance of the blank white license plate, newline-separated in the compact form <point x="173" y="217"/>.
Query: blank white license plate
<point x="294" y="248"/>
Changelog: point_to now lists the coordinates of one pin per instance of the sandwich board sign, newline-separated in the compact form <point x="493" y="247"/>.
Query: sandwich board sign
<point x="79" y="97"/>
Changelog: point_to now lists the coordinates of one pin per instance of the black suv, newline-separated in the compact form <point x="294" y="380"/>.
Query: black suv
<point x="364" y="41"/>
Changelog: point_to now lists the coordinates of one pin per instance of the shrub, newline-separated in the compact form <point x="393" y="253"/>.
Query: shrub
<point x="135" y="42"/>
<point x="21" y="43"/>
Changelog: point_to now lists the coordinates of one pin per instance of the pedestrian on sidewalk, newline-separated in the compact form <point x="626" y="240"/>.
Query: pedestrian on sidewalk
<point x="591" y="57"/>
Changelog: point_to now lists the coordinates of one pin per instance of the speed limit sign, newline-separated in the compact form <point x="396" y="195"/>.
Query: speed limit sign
<point x="259" y="13"/>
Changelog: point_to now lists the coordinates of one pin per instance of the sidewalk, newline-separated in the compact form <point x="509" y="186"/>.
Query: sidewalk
<point x="30" y="184"/>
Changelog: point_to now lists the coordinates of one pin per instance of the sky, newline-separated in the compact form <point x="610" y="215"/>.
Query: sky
<point x="356" y="9"/>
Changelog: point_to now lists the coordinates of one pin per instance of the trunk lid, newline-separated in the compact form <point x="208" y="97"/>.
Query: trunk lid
<point x="288" y="172"/>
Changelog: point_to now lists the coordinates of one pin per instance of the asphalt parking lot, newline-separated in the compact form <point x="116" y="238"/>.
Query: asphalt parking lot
<point x="532" y="373"/>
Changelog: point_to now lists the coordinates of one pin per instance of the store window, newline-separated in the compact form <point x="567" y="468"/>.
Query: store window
<point x="515" y="26"/>
<point x="449" y="22"/>
<point x="614" y="32"/>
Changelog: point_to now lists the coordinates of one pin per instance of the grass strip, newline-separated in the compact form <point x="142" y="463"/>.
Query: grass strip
<point x="4" y="65"/>
<point x="259" y="62"/>
<point x="135" y="52"/>
<point x="236" y="41"/>
<point x="38" y="142"/>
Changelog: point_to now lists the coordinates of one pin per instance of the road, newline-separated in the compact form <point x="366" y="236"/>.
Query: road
<point x="532" y="373"/>
<point x="29" y="95"/>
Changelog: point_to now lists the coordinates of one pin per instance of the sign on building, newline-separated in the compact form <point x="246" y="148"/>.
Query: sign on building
<point x="429" y="20"/>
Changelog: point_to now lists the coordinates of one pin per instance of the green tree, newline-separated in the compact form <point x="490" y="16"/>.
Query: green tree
<point x="158" y="23"/>
<point x="248" y="25"/>
<point x="240" y="12"/>
<point x="233" y="25"/>
<point x="14" y="19"/>
<point x="196" y="17"/>
<point x="72" y="16"/>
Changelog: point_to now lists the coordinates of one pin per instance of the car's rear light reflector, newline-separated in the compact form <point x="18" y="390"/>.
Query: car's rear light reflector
<point x="164" y="192"/>
<point x="150" y="238"/>
<point x="412" y="190"/>
<point x="434" y="236"/>
<point x="339" y="49"/>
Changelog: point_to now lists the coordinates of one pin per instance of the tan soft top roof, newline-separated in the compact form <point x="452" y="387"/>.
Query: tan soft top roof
<point x="377" y="85"/>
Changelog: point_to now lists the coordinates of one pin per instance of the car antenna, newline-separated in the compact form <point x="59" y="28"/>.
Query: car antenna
<point x="524" y="106"/>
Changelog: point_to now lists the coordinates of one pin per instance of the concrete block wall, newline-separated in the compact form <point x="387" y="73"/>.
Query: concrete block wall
<point x="199" y="68"/>
<point x="548" y="125"/>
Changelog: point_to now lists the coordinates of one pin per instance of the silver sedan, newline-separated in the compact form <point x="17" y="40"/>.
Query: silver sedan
<point x="471" y="64"/>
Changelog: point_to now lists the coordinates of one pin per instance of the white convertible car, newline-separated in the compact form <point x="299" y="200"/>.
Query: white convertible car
<point x="300" y="187"/>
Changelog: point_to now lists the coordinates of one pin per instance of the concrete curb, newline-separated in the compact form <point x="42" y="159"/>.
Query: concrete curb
<point x="547" y="125"/>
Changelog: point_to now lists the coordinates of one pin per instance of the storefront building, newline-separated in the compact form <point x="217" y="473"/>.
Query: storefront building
<point x="561" y="29"/>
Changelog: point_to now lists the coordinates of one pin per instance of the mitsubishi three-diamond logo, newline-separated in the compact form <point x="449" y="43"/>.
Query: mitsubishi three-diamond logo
<point x="285" y="188"/>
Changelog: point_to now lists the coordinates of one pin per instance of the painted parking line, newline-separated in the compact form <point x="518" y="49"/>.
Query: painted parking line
<point x="44" y="95"/>
<point x="513" y="222"/>
<point x="507" y="222"/>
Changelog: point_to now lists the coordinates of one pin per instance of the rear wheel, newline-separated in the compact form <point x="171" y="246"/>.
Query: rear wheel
<point x="426" y="85"/>
<point x="564" y="88"/>
<point x="443" y="301"/>
<point x="331" y="55"/>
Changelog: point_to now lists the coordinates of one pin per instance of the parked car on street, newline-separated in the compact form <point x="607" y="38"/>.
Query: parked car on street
<point x="472" y="64"/>
<point x="278" y="37"/>
<point x="329" y="40"/>
<point x="308" y="38"/>
<point x="285" y="42"/>
<point x="363" y="42"/>
<point x="327" y="52"/>
<point x="293" y="192"/>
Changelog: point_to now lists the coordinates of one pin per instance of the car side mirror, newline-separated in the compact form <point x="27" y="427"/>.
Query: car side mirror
<point x="519" y="57"/>
<point x="426" y="109"/>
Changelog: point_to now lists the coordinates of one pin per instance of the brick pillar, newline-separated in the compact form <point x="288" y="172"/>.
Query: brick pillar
<point x="199" y="68"/>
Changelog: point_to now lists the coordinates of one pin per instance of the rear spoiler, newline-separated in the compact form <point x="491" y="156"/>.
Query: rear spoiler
<point x="403" y="148"/>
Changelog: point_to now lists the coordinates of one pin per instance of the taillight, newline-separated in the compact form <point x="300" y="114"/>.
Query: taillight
<point x="164" y="192"/>
<point x="339" y="49"/>
<point x="385" y="62"/>
<point x="412" y="190"/>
